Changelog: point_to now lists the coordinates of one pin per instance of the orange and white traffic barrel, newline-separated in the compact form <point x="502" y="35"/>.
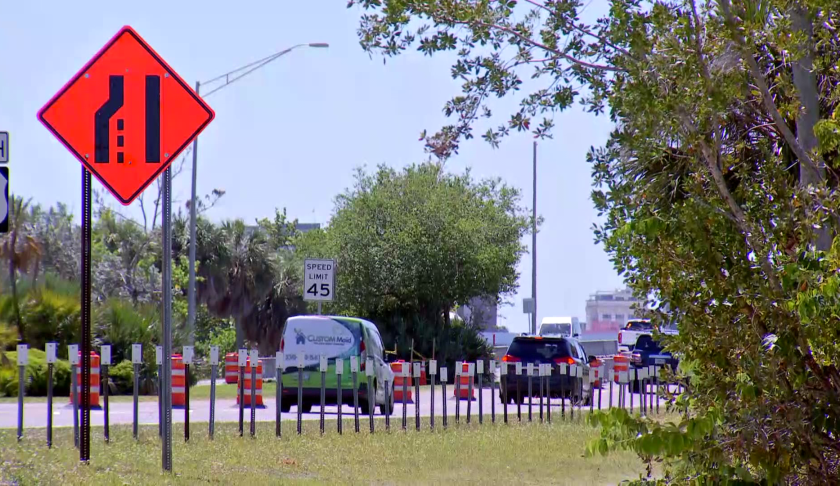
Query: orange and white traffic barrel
<point x="463" y="392"/>
<point x="401" y="379"/>
<point x="179" y="382"/>
<point x="231" y="368"/>
<point x="94" y="380"/>
<point x="620" y="363"/>
<point x="247" y="385"/>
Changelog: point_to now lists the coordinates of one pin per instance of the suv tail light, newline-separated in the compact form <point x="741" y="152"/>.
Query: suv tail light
<point x="510" y="359"/>
<point x="283" y="344"/>
<point x="362" y="355"/>
<point x="568" y="360"/>
<point x="619" y="337"/>
<point x="637" y="358"/>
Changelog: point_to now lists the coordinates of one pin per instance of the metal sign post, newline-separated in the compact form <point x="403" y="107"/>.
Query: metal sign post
<point x="51" y="359"/>
<point x="339" y="370"/>
<point x="388" y="405"/>
<point x="280" y="363"/>
<point x="611" y="379"/>
<point x="591" y="389"/>
<point x="492" y="391"/>
<point x="479" y="364"/>
<point x="631" y="378"/>
<point x="601" y="375"/>
<point x="432" y="374"/>
<point x="166" y="282"/>
<point x="444" y="377"/>
<point x="242" y="358"/>
<point x="159" y="363"/>
<point x="564" y="381"/>
<point x="471" y="376"/>
<point x="371" y="393"/>
<point x="105" y="351"/>
<point x="354" y="371"/>
<point x="22" y="361"/>
<point x="405" y="374"/>
<point x="136" y="360"/>
<point x="300" y="394"/>
<point x="549" y="369"/>
<point x="214" y="366"/>
<point x="187" y="353"/>
<point x="530" y="371"/>
<point x="458" y="372"/>
<point x="656" y="376"/>
<point x="323" y="367"/>
<point x="574" y="371"/>
<point x="518" y="390"/>
<point x="73" y="355"/>
<point x="541" y="377"/>
<point x="503" y="369"/>
<point x="255" y="362"/>
<point x="416" y="372"/>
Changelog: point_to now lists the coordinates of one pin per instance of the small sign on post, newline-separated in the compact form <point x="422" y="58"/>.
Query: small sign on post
<point x="22" y="361"/>
<point x="51" y="359"/>
<point x="354" y="372"/>
<point x="105" y="351"/>
<point x="73" y="356"/>
<point x="255" y="362"/>
<point x="444" y="378"/>
<point x="242" y="359"/>
<point x="214" y="365"/>
<point x="136" y="359"/>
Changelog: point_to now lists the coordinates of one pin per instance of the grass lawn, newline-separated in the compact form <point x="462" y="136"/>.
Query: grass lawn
<point x="487" y="454"/>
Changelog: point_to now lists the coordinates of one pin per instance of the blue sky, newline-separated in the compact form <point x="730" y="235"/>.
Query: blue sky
<point x="291" y="134"/>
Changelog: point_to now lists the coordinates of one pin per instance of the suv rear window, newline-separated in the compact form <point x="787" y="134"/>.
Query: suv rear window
<point x="639" y="326"/>
<point x="539" y="350"/>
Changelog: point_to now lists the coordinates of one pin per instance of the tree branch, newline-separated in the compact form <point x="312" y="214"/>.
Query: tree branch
<point x="584" y="31"/>
<point x="766" y="96"/>
<point x="534" y="43"/>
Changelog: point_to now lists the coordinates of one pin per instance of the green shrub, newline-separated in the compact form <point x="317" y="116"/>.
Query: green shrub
<point x="121" y="377"/>
<point x="36" y="376"/>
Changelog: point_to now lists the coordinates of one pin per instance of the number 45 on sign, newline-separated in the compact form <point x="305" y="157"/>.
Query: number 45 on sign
<point x="319" y="280"/>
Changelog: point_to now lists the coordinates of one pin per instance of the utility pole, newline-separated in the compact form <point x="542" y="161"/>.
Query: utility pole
<point x="534" y="248"/>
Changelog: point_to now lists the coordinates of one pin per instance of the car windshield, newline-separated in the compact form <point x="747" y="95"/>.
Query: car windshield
<point x="555" y="329"/>
<point x="538" y="351"/>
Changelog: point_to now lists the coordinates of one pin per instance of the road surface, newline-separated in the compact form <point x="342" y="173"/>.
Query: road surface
<point x="35" y="414"/>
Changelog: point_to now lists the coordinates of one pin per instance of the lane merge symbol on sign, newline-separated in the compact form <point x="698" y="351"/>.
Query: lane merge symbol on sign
<point x="126" y="115"/>
<point x="319" y="280"/>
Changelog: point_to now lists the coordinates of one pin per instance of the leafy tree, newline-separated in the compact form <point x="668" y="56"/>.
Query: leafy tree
<point x="411" y="245"/>
<point x="718" y="187"/>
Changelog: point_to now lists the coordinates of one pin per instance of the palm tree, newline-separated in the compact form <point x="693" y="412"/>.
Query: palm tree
<point x="19" y="249"/>
<point x="236" y="271"/>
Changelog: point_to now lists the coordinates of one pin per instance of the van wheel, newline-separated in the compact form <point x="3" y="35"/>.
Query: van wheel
<point x="388" y="408"/>
<point x="286" y="406"/>
<point x="306" y="408"/>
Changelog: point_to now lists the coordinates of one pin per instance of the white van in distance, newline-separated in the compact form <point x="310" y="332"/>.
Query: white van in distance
<point x="559" y="327"/>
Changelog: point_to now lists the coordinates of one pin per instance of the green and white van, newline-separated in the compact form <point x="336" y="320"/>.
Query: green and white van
<point x="333" y="337"/>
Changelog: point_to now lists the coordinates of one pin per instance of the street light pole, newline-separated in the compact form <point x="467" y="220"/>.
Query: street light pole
<point x="228" y="78"/>
<point x="533" y="247"/>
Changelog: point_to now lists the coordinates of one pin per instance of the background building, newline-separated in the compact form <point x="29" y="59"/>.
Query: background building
<point x="610" y="310"/>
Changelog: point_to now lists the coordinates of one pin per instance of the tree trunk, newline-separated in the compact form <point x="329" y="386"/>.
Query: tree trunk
<point x="240" y="334"/>
<point x="805" y="80"/>
<point x="13" y="283"/>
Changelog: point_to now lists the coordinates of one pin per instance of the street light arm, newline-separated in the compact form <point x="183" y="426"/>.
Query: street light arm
<point x="237" y="74"/>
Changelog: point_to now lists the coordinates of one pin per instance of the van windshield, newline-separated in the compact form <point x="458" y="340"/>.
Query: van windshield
<point x="565" y="329"/>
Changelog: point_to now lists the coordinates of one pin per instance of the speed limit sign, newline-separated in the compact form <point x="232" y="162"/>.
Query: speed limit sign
<point x="319" y="280"/>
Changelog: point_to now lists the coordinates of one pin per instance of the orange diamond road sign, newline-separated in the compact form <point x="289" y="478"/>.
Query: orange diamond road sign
<point x="126" y="115"/>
